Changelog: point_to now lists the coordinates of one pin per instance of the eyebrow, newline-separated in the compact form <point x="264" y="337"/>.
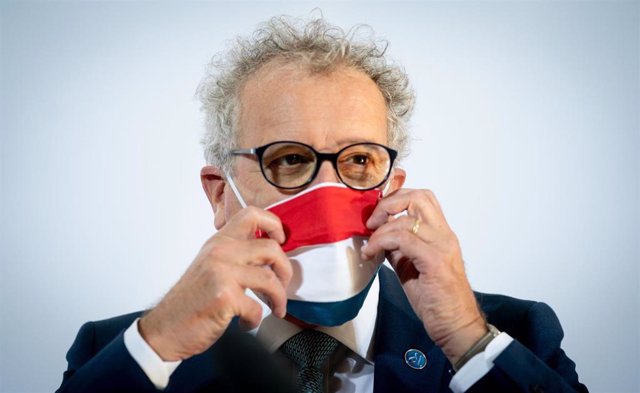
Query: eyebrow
<point x="352" y="141"/>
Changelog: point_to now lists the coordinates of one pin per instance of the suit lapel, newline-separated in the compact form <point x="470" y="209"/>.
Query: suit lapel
<point x="398" y="329"/>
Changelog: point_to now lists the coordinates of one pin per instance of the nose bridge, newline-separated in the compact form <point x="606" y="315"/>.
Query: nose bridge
<point x="326" y="172"/>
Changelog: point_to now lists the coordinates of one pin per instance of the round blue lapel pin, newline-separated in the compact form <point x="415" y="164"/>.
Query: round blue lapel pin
<point x="415" y="359"/>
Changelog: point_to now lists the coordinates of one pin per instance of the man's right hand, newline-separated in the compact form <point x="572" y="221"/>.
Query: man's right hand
<point x="198" y="309"/>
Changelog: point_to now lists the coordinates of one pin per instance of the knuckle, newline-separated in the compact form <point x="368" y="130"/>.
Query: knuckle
<point x="272" y="245"/>
<point x="261" y="273"/>
<point x="219" y="249"/>
<point x="213" y="249"/>
<point x="270" y="277"/>
<point x="428" y="194"/>
<point x="217" y="271"/>
<point x="223" y="298"/>
<point x="243" y="215"/>
<point x="212" y="239"/>
<point x="252" y="213"/>
<point x="450" y="241"/>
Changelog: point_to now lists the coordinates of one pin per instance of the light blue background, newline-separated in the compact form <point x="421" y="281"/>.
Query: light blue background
<point x="526" y="128"/>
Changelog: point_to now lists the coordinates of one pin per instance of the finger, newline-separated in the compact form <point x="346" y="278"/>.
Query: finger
<point x="418" y="203"/>
<point x="267" y="283"/>
<point x="262" y="252"/>
<point x="394" y="257"/>
<point x="245" y="223"/>
<point x="249" y="311"/>
<point x="394" y="240"/>
<point x="434" y="211"/>
<point x="408" y="223"/>
<point x="424" y="233"/>
<point x="390" y="206"/>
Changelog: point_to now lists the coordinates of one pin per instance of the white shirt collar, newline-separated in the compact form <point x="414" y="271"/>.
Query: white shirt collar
<point x="356" y="334"/>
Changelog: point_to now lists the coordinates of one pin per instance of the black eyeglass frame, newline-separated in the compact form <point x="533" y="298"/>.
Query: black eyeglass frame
<point x="320" y="158"/>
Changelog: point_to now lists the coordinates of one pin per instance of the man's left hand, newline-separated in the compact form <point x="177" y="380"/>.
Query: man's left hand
<point x="426" y="256"/>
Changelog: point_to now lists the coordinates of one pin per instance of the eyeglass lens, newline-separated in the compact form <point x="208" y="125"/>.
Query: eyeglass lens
<point x="292" y="165"/>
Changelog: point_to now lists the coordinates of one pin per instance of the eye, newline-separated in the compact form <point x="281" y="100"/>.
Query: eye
<point x="286" y="155"/>
<point x="359" y="159"/>
<point x="290" y="160"/>
<point x="356" y="159"/>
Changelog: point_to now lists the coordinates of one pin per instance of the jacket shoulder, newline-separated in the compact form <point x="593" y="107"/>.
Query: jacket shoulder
<point x="106" y="330"/>
<point x="492" y="303"/>
<point x="533" y="323"/>
<point x="95" y="335"/>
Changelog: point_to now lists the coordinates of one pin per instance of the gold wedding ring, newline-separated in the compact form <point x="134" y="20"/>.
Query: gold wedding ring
<point x="415" y="227"/>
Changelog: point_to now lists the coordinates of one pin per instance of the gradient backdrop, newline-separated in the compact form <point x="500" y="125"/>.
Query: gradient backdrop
<point x="526" y="129"/>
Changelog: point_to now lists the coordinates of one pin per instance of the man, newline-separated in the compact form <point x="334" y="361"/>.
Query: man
<point x="310" y="112"/>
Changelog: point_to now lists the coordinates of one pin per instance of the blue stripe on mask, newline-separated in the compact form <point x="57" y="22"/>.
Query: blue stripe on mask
<point x="329" y="313"/>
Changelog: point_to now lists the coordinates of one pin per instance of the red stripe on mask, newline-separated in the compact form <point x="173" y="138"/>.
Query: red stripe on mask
<point x="325" y="215"/>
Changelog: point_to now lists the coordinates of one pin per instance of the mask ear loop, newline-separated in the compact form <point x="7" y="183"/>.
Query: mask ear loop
<point x="384" y="193"/>
<point x="236" y="192"/>
<point x="235" y="189"/>
<point x="388" y="185"/>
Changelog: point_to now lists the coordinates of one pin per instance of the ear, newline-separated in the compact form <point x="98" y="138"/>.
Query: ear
<point x="398" y="176"/>
<point x="214" y="184"/>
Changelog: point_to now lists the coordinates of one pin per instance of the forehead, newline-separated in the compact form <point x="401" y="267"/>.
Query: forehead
<point x="326" y="110"/>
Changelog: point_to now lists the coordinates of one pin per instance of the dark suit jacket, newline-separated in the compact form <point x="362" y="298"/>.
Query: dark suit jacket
<point x="533" y="362"/>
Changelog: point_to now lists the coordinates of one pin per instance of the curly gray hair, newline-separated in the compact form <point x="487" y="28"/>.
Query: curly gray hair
<point x="317" y="44"/>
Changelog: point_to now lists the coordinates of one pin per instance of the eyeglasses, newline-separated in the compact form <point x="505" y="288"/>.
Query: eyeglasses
<point x="289" y="165"/>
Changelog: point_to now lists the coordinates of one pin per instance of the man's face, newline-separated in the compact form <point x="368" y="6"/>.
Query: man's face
<point x="326" y="111"/>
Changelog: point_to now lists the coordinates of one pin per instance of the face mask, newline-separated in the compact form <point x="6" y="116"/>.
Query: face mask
<point x="325" y="228"/>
